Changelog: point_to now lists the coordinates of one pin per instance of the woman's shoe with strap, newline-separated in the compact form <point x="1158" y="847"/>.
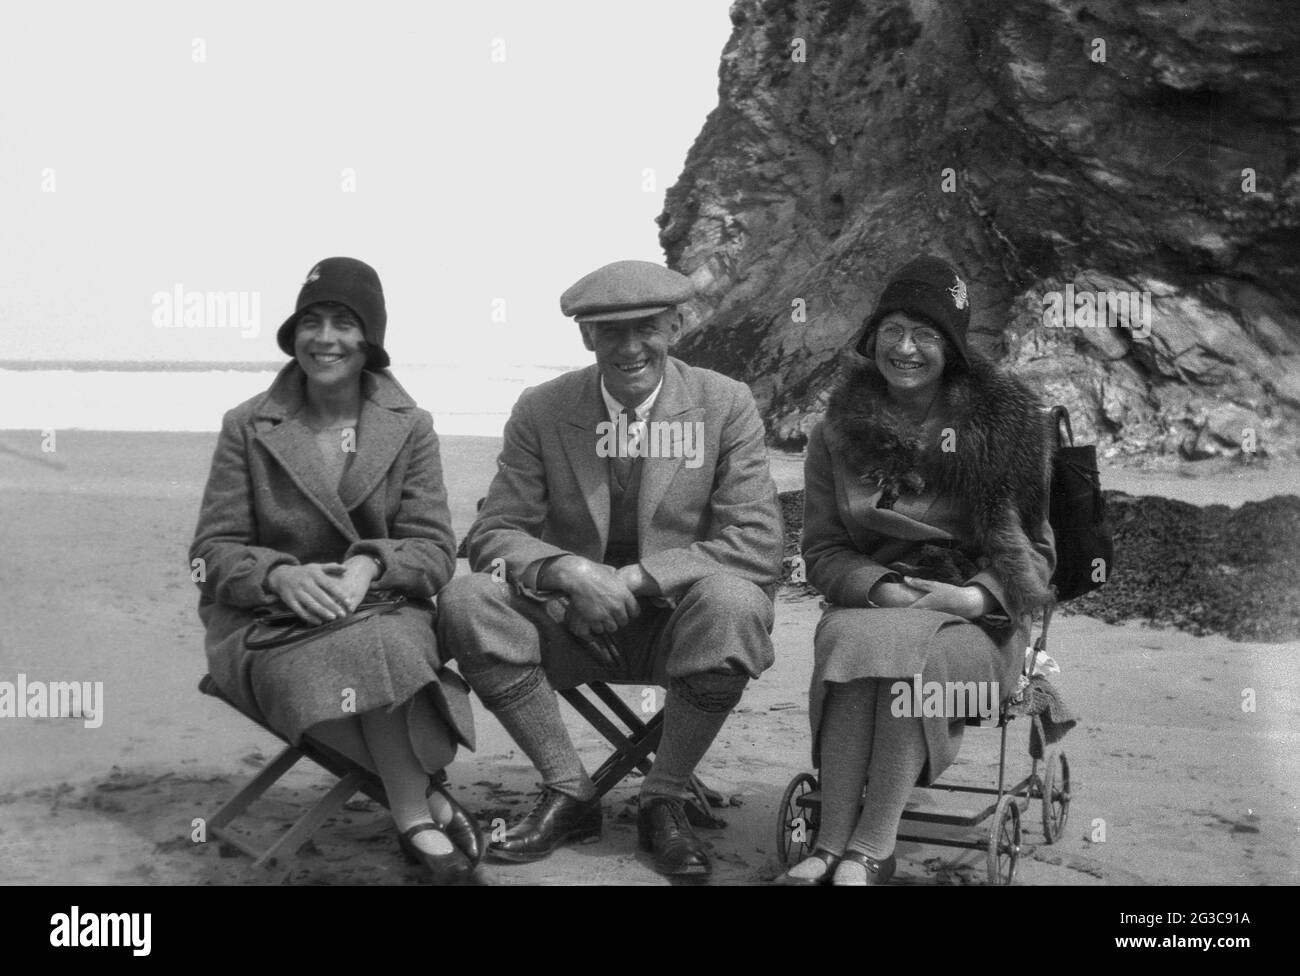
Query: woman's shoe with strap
<point x="829" y="863"/>
<point x="452" y="868"/>
<point x="463" y="828"/>
<point x="878" y="872"/>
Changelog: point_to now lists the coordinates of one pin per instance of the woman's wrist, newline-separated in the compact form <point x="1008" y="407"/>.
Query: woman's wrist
<point x="891" y="592"/>
<point x="271" y="583"/>
<point x="367" y="562"/>
<point x="881" y="587"/>
<point x="984" y="603"/>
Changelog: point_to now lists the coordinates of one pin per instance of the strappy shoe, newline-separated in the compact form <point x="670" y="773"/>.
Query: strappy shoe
<point x="826" y="857"/>
<point x="452" y="868"/>
<point x="878" y="872"/>
<point x="463" y="827"/>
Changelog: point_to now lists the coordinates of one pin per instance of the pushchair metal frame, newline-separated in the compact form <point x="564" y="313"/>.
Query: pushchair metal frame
<point x="799" y="815"/>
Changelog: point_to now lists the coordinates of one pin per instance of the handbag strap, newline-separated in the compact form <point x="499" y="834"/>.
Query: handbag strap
<point x="1064" y="432"/>
<point x="298" y="630"/>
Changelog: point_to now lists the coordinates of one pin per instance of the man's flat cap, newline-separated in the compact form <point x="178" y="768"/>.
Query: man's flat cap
<point x="625" y="290"/>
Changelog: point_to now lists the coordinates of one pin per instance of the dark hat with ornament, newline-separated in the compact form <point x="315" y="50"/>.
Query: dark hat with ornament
<point x="352" y="283"/>
<point x="927" y="288"/>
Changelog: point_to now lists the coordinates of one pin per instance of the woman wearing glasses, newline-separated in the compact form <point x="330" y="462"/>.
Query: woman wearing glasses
<point x="925" y="528"/>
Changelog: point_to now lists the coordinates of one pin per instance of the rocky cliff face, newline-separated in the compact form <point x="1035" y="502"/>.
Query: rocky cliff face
<point x="1144" y="149"/>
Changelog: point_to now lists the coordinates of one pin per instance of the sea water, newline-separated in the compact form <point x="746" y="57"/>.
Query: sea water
<point x="141" y="396"/>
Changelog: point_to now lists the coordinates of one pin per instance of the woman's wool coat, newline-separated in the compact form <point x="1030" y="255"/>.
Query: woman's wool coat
<point x="269" y="502"/>
<point x="965" y="503"/>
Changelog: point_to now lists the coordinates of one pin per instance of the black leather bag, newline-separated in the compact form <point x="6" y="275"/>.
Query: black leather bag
<point x="1085" y="548"/>
<point x="278" y="627"/>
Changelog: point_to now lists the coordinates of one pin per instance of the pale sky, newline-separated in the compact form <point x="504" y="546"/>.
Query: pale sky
<point x="129" y="168"/>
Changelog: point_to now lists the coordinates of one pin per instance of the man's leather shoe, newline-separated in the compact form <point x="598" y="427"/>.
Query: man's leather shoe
<point x="462" y="828"/>
<point x="554" y="820"/>
<point x="665" y="832"/>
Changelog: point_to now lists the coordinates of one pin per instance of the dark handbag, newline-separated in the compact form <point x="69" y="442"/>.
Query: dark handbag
<point x="277" y="627"/>
<point x="1085" y="549"/>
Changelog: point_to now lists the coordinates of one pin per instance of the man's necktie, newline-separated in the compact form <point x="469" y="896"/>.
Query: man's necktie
<point x="630" y="448"/>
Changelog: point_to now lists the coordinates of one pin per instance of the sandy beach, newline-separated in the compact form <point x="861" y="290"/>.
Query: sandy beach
<point x="1183" y="784"/>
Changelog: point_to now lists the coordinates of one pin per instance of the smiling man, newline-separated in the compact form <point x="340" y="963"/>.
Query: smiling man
<point x="625" y="565"/>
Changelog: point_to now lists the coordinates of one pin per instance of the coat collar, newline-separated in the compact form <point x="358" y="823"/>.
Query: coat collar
<point x="284" y="397"/>
<point x="614" y="408"/>
<point x="675" y="397"/>
<point x="384" y="423"/>
<point x="999" y="462"/>
<point x="580" y="432"/>
<point x="1000" y="440"/>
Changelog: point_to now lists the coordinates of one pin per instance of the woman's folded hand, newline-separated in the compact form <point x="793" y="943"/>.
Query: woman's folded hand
<point x="316" y="592"/>
<point x="358" y="573"/>
<point x="970" y="602"/>
<point x="890" y="594"/>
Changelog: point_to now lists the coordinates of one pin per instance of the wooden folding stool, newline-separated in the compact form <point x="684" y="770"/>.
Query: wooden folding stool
<point x="353" y="778"/>
<point x="634" y="747"/>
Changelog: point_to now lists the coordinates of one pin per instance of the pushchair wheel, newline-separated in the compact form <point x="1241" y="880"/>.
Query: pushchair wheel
<point x="798" y="819"/>
<point x="1056" y="796"/>
<point x="1004" y="842"/>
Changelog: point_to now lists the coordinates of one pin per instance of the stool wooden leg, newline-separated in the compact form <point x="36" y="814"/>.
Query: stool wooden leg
<point x="300" y="832"/>
<point x="255" y="787"/>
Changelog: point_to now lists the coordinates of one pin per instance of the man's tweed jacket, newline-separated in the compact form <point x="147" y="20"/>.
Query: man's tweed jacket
<point x="694" y="519"/>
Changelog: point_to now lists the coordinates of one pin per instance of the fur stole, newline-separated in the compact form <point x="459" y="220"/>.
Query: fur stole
<point x="999" y="458"/>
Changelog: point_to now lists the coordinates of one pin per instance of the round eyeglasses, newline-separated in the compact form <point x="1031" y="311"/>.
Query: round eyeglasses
<point x="922" y="335"/>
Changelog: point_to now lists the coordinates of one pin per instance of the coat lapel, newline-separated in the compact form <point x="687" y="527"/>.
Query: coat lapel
<point x="380" y="435"/>
<point x="579" y="435"/>
<point x="864" y="516"/>
<point x="293" y="444"/>
<point x="675" y="403"/>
